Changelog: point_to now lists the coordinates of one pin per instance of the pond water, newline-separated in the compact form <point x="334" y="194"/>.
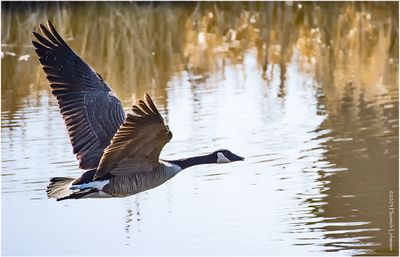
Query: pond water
<point x="306" y="92"/>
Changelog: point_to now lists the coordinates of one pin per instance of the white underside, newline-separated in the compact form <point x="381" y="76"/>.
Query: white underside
<point x="94" y="184"/>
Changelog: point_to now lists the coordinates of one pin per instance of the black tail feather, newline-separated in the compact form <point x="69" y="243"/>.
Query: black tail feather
<point x="59" y="187"/>
<point x="77" y="195"/>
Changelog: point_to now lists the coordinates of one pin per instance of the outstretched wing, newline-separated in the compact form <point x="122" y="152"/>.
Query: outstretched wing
<point x="137" y="144"/>
<point x="92" y="113"/>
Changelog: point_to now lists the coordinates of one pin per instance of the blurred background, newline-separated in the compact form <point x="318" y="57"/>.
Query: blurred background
<point x="306" y="91"/>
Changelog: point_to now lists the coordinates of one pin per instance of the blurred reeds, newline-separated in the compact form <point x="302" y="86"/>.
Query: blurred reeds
<point x="138" y="47"/>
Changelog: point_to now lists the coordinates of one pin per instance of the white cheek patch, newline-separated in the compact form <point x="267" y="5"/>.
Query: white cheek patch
<point x="222" y="158"/>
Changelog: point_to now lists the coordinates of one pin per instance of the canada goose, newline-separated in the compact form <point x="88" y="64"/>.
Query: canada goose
<point x="120" y="155"/>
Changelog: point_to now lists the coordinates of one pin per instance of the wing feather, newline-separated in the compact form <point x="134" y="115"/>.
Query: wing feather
<point x="137" y="145"/>
<point x="91" y="112"/>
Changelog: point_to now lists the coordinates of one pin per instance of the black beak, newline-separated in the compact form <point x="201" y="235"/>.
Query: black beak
<point x="237" y="158"/>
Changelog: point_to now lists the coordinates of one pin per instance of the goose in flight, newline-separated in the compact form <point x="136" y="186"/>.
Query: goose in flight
<point x="119" y="155"/>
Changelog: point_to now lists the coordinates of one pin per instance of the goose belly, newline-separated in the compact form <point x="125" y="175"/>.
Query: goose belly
<point x="98" y="194"/>
<point x="120" y="186"/>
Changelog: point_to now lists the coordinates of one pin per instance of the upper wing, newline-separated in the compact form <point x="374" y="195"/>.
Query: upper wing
<point x="137" y="144"/>
<point x="92" y="113"/>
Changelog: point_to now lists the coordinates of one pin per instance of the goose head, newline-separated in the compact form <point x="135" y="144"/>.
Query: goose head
<point x="226" y="156"/>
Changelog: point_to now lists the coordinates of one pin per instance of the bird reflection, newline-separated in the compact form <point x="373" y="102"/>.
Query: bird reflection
<point x="133" y="214"/>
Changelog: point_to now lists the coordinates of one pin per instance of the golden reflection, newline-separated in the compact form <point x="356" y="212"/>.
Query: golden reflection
<point x="137" y="47"/>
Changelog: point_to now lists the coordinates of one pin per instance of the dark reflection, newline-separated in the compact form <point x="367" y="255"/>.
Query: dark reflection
<point x="365" y="142"/>
<point x="349" y="52"/>
<point x="128" y="221"/>
<point x="353" y="212"/>
<point x="132" y="218"/>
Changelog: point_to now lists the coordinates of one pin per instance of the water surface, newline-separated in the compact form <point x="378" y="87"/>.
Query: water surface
<point x="307" y="92"/>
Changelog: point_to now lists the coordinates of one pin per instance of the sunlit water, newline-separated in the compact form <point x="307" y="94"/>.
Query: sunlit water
<point x="321" y="163"/>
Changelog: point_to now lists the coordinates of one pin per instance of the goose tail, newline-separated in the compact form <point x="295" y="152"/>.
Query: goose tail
<point x="59" y="187"/>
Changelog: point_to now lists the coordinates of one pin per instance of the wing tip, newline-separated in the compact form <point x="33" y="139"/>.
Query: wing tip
<point x="37" y="36"/>
<point x="49" y="24"/>
<point x="53" y="30"/>
<point x="42" y="27"/>
<point x="34" y="43"/>
<point x="147" y="98"/>
<point x="150" y="103"/>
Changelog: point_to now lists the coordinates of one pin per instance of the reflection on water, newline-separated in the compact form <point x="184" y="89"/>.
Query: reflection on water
<point x="307" y="92"/>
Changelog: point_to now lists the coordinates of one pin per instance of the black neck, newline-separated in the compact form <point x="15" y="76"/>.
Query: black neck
<point x="188" y="162"/>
